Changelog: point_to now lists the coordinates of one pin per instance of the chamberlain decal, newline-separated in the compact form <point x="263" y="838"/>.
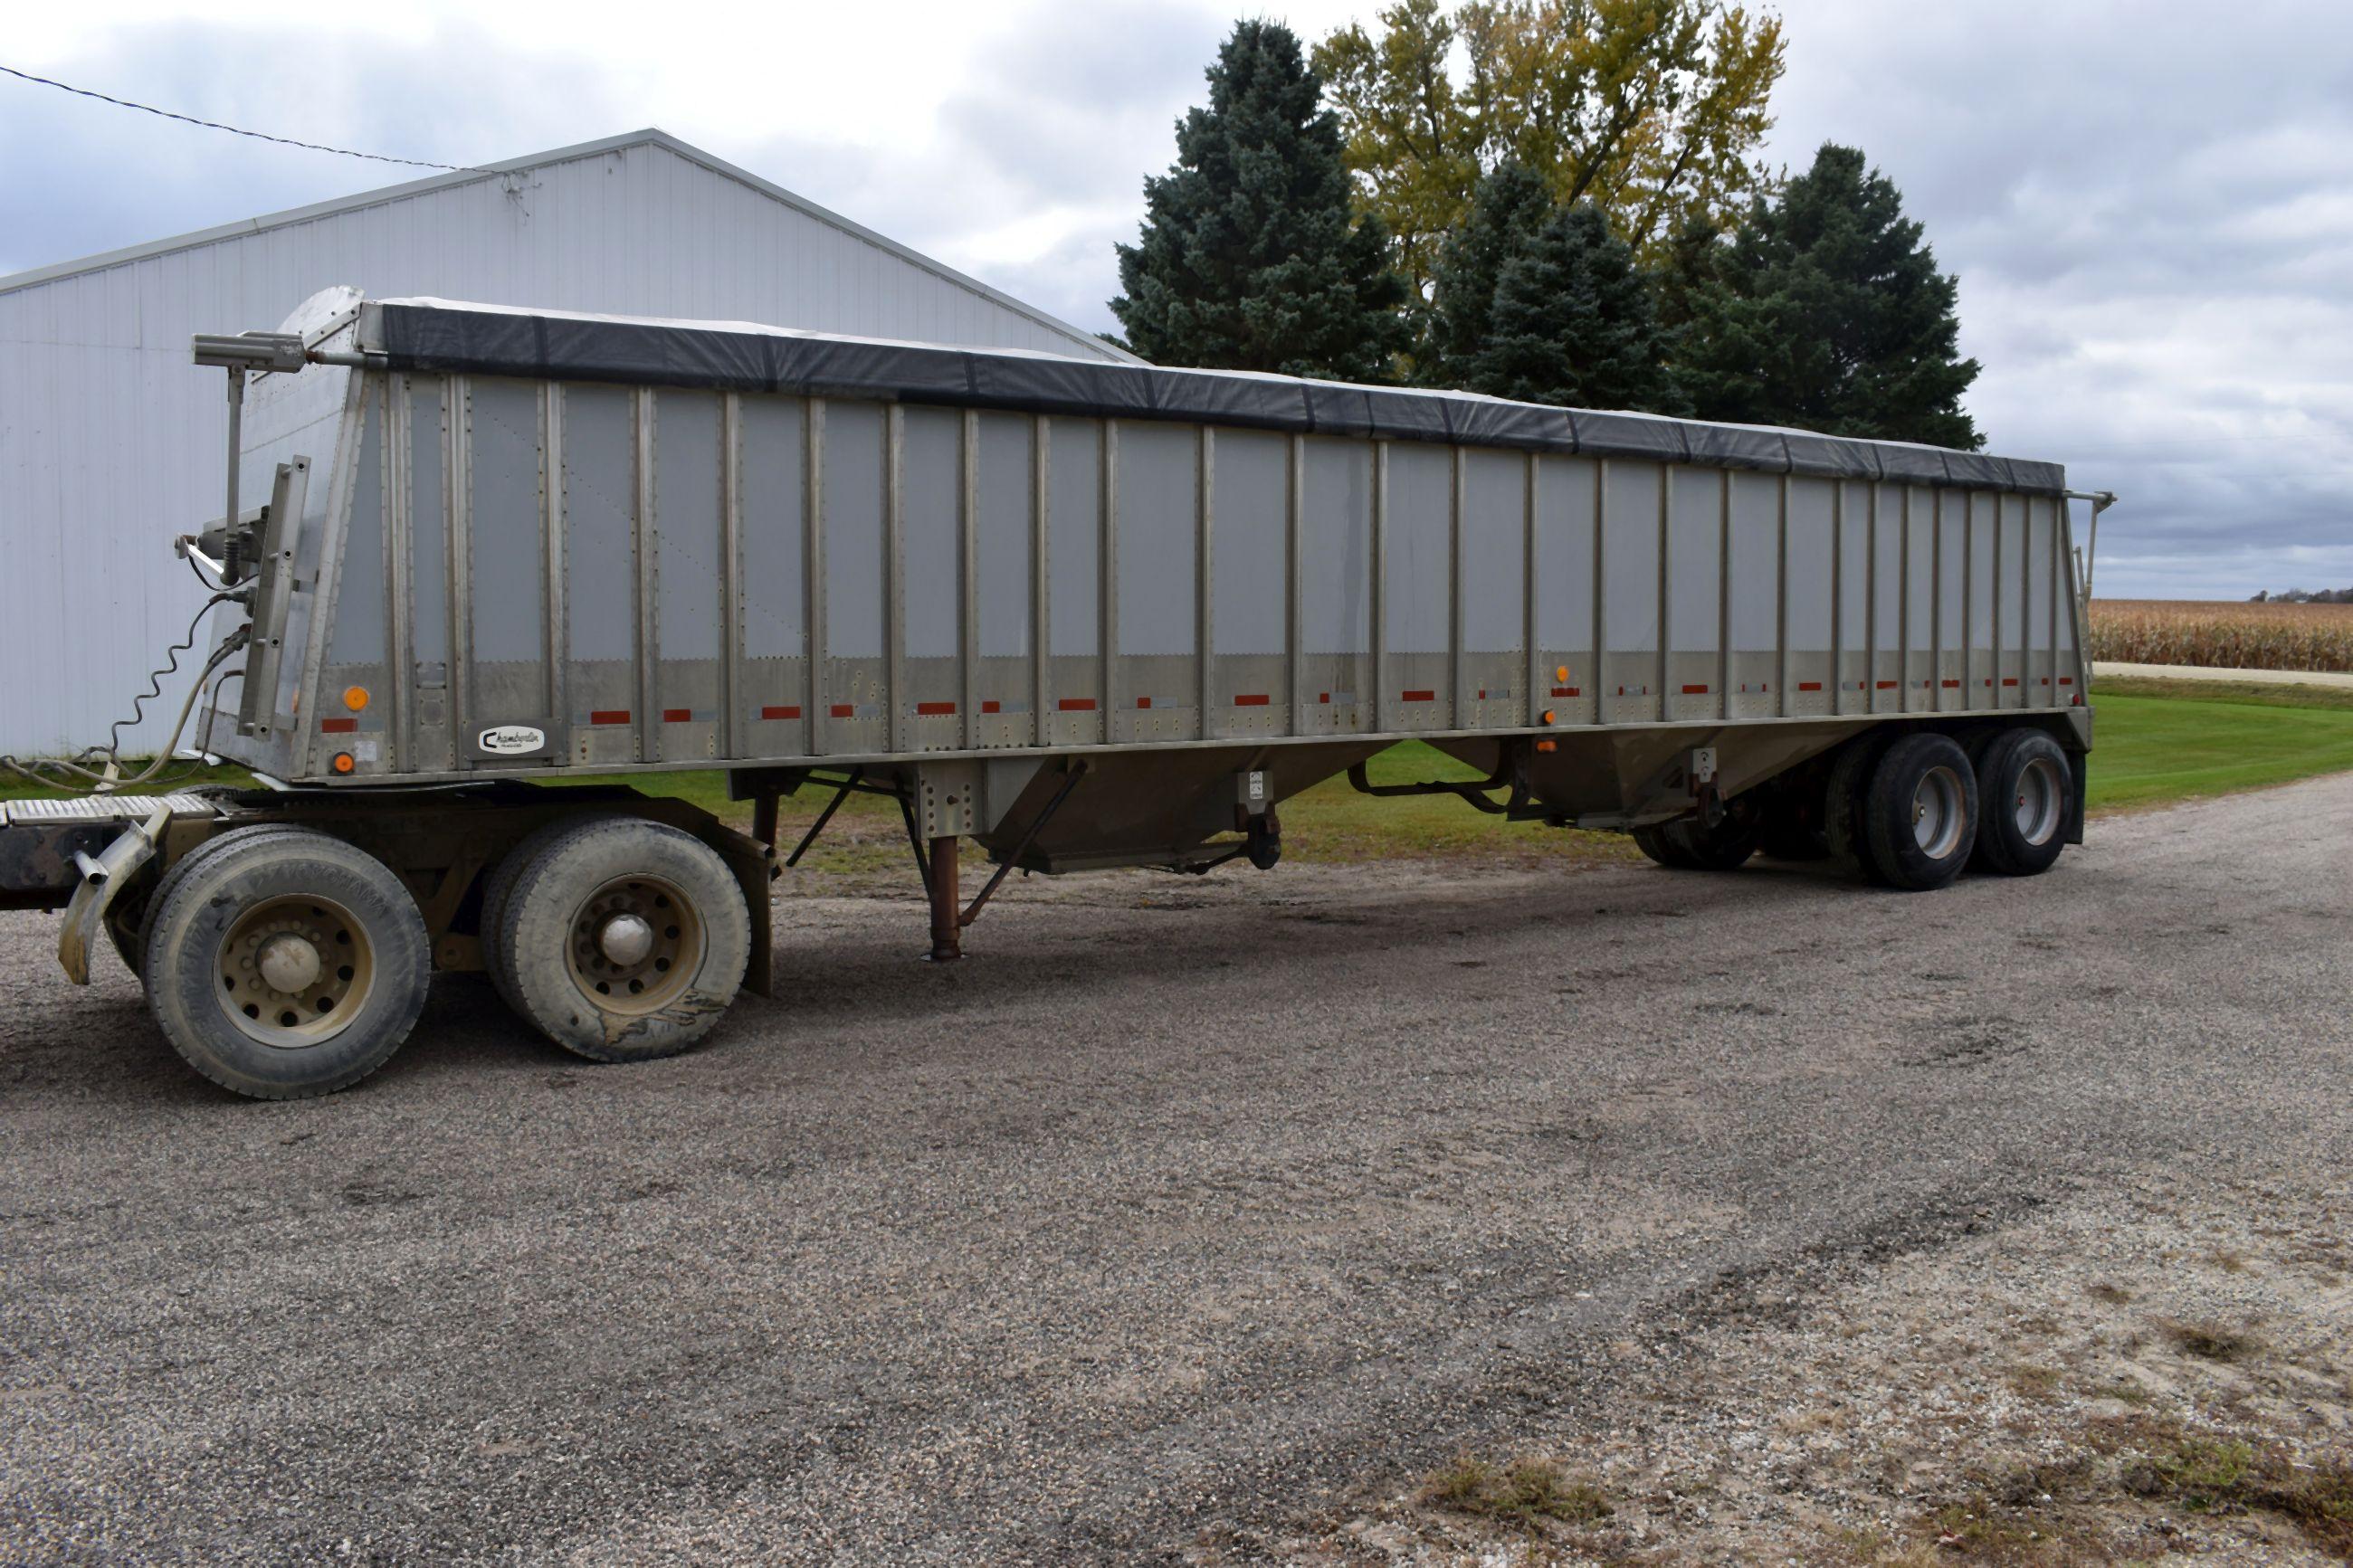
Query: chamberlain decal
<point x="513" y="740"/>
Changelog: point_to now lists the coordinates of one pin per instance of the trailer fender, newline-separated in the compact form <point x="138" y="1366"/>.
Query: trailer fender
<point x="102" y="877"/>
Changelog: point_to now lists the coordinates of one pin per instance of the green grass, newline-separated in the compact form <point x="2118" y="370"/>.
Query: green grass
<point x="2158" y="741"/>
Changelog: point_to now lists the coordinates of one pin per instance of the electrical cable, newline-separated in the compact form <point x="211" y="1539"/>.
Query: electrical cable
<point x="238" y="130"/>
<point x="79" y="772"/>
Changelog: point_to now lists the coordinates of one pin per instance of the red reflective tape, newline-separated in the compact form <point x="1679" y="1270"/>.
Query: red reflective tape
<point x="1144" y="702"/>
<point x="1694" y="690"/>
<point x="842" y="710"/>
<point x="934" y="710"/>
<point x="1418" y="696"/>
<point x="1076" y="705"/>
<point x="1325" y="698"/>
<point x="677" y="715"/>
<point x="1952" y="685"/>
<point x="1887" y="686"/>
<point x="2066" y="681"/>
<point x="1809" y="685"/>
<point x="989" y="706"/>
<point x="1482" y="694"/>
<point x="1249" y="698"/>
<point x="2010" y="680"/>
<point x="773" y="710"/>
<point x="609" y="716"/>
<point x="339" y="726"/>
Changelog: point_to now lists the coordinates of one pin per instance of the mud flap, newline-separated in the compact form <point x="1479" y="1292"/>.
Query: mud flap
<point x="101" y="879"/>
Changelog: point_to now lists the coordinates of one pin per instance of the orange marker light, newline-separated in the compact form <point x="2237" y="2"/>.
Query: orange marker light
<point x="1548" y="745"/>
<point x="1547" y="716"/>
<point x="355" y="698"/>
<point x="342" y="764"/>
<point x="1561" y="675"/>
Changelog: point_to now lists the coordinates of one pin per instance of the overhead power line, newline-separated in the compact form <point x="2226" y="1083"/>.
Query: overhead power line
<point x="240" y="131"/>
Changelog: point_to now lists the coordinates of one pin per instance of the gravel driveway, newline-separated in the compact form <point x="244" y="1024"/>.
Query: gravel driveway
<point x="1178" y="1220"/>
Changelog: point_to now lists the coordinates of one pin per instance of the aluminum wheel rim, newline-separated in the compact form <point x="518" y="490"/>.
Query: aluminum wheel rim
<point x="1937" y="802"/>
<point x="616" y="984"/>
<point x="254" y="959"/>
<point x="2039" y="798"/>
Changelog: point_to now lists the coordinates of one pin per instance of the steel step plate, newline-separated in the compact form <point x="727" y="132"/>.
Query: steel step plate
<point x="102" y="809"/>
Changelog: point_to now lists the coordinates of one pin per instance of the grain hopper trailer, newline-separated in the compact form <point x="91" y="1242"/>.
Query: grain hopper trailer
<point x="1084" y="614"/>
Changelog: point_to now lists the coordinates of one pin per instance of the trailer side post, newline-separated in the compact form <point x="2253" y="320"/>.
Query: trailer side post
<point x="647" y="717"/>
<point x="1781" y="606"/>
<point x="1295" y="619"/>
<point x="1531" y="654"/>
<point x="1380" y="633"/>
<point x="968" y="583"/>
<point x="1724" y="599"/>
<point x="813" y="569"/>
<point x="1041" y="649"/>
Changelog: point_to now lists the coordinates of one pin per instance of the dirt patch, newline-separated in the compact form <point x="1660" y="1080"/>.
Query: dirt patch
<point x="2164" y="1377"/>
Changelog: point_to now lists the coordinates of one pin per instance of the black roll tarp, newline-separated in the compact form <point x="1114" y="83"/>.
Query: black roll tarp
<point x="436" y="336"/>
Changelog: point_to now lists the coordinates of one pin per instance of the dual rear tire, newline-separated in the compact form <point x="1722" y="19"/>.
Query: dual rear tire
<point x="282" y="962"/>
<point x="618" y="938"/>
<point x="1911" y="811"/>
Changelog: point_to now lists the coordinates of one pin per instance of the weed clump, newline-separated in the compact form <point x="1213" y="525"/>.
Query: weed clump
<point x="2212" y="1342"/>
<point x="1525" y="1493"/>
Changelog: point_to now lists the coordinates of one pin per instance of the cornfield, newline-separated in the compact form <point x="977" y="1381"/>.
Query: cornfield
<point x="2230" y="635"/>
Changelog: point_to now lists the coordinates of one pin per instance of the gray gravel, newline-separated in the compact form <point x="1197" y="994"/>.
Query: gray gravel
<point x="1180" y="1217"/>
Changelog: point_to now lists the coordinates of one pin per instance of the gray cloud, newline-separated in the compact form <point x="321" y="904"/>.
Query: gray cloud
<point x="83" y="176"/>
<point x="2149" y="209"/>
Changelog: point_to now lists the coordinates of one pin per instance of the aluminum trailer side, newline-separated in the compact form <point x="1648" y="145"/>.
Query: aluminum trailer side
<point x="1085" y="615"/>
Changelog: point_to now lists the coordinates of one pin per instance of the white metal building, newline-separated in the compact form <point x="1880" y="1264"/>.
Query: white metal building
<point x="111" y="442"/>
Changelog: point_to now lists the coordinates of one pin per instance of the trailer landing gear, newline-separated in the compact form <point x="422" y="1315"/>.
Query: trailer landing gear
<point x="940" y="875"/>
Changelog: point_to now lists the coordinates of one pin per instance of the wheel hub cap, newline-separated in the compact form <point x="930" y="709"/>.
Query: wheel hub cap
<point x="1936" y="813"/>
<point x="295" y="970"/>
<point x="288" y="963"/>
<point x="635" y="944"/>
<point x="2040" y="799"/>
<point x="625" y="940"/>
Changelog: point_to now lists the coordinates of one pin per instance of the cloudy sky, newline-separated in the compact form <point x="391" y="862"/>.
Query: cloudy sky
<point x="2150" y="206"/>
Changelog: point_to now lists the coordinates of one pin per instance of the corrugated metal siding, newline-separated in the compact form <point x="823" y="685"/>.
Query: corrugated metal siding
<point x="111" y="442"/>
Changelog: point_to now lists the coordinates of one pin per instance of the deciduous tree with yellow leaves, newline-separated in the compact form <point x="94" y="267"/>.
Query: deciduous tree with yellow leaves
<point x="1652" y="110"/>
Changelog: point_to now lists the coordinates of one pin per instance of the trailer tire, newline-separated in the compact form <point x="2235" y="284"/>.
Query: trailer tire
<point x="1920" y="813"/>
<point x="283" y="963"/>
<point x="626" y="938"/>
<point x="1727" y="846"/>
<point x="1666" y="850"/>
<point x="498" y="888"/>
<point x="1844" y="799"/>
<point x="2025" y="787"/>
<point x="128" y="935"/>
<point x="127" y="925"/>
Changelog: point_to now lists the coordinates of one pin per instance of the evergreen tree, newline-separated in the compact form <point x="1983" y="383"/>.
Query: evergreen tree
<point x="1573" y="323"/>
<point x="1509" y="206"/>
<point x="1689" y="260"/>
<point x="1827" y="313"/>
<point x="1250" y="257"/>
